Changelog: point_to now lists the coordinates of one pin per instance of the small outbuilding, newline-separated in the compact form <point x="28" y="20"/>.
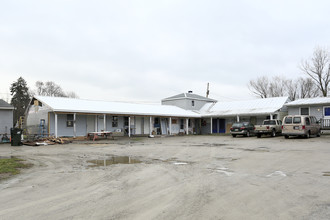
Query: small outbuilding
<point x="318" y="107"/>
<point x="6" y="119"/>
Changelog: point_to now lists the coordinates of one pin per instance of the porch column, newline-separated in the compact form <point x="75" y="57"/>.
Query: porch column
<point x="150" y="128"/>
<point x="129" y="126"/>
<point x="74" y="125"/>
<point x="55" y="125"/>
<point x="211" y="126"/>
<point x="237" y="118"/>
<point x="170" y="125"/>
<point x="271" y="117"/>
<point x="104" y="122"/>
<point x="95" y="126"/>
<point x="187" y="123"/>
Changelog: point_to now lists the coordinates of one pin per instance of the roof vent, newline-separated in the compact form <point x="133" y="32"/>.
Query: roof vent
<point x="190" y="91"/>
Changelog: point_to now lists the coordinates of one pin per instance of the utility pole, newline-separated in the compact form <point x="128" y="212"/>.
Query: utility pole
<point x="207" y="90"/>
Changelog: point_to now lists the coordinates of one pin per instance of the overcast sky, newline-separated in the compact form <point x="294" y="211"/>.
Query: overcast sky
<point x="148" y="50"/>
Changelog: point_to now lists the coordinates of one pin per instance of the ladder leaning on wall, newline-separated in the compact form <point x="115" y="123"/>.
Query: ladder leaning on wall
<point x="42" y="128"/>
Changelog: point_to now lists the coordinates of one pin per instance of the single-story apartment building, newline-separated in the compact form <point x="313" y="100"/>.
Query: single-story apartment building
<point x="185" y="113"/>
<point x="6" y="119"/>
<point x="58" y="116"/>
<point x="219" y="117"/>
<point x="318" y="107"/>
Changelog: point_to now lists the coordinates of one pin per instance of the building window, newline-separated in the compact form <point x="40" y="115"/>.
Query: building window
<point x="114" y="121"/>
<point x="189" y="122"/>
<point x="304" y="111"/>
<point x="174" y="121"/>
<point x="126" y="121"/>
<point x="327" y="111"/>
<point x="193" y="103"/>
<point x="69" y="120"/>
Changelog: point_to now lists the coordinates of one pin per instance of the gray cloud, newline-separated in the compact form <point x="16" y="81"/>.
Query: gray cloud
<point x="148" y="50"/>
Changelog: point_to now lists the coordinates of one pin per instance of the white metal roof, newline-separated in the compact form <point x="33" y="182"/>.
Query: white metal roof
<point x="244" y="108"/>
<point x="310" y="101"/>
<point x="60" y="104"/>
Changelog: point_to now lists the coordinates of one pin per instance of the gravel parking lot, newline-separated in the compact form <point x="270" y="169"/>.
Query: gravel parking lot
<point x="188" y="177"/>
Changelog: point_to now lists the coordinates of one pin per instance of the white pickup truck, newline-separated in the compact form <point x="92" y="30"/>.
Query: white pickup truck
<point x="269" y="127"/>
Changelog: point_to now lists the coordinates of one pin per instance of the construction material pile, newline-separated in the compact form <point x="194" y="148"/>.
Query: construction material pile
<point x="48" y="141"/>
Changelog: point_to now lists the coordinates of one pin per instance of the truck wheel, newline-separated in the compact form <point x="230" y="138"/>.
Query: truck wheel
<point x="319" y="133"/>
<point x="258" y="135"/>
<point x="286" y="136"/>
<point x="273" y="133"/>
<point x="234" y="135"/>
<point x="307" y="135"/>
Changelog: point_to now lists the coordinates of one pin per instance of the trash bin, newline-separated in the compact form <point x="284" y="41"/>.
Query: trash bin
<point x="16" y="135"/>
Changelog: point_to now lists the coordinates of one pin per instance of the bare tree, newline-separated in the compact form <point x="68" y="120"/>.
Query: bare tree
<point x="307" y="88"/>
<point x="292" y="89"/>
<point x="260" y="87"/>
<point x="72" y="95"/>
<point x="318" y="69"/>
<point x="277" y="86"/>
<point x="50" y="88"/>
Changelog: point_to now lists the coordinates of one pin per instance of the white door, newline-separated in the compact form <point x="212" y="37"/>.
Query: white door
<point x="100" y="123"/>
<point x="90" y="123"/>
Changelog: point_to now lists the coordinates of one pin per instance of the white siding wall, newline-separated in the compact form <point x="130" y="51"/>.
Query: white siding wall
<point x="6" y="121"/>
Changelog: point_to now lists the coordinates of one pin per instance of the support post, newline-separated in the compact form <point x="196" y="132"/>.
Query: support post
<point x="211" y="126"/>
<point x="56" y="126"/>
<point x="237" y="118"/>
<point x="150" y="124"/>
<point x="95" y="125"/>
<point x="187" y="123"/>
<point x="170" y="125"/>
<point x="74" y="125"/>
<point x="129" y="126"/>
<point x="104" y="122"/>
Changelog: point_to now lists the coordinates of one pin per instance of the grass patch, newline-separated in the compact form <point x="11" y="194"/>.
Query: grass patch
<point x="11" y="166"/>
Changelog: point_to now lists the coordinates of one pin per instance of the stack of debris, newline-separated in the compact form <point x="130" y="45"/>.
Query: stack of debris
<point x="48" y="141"/>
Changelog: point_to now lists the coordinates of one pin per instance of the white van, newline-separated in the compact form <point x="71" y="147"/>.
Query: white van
<point x="300" y="125"/>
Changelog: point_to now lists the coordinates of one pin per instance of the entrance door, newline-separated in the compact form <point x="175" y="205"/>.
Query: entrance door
<point x="218" y="125"/>
<point x="142" y="125"/>
<point x="90" y="123"/>
<point x="100" y="122"/>
<point x="222" y="126"/>
<point x="214" y="125"/>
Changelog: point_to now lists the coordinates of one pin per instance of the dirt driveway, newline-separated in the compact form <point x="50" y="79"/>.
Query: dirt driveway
<point x="195" y="177"/>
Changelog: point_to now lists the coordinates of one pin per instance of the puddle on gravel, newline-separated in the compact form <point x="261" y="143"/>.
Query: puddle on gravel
<point x="326" y="173"/>
<point x="113" y="160"/>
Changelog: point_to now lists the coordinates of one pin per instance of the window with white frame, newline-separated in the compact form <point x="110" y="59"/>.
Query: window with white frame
<point x="327" y="111"/>
<point x="69" y="120"/>
<point x="304" y="111"/>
